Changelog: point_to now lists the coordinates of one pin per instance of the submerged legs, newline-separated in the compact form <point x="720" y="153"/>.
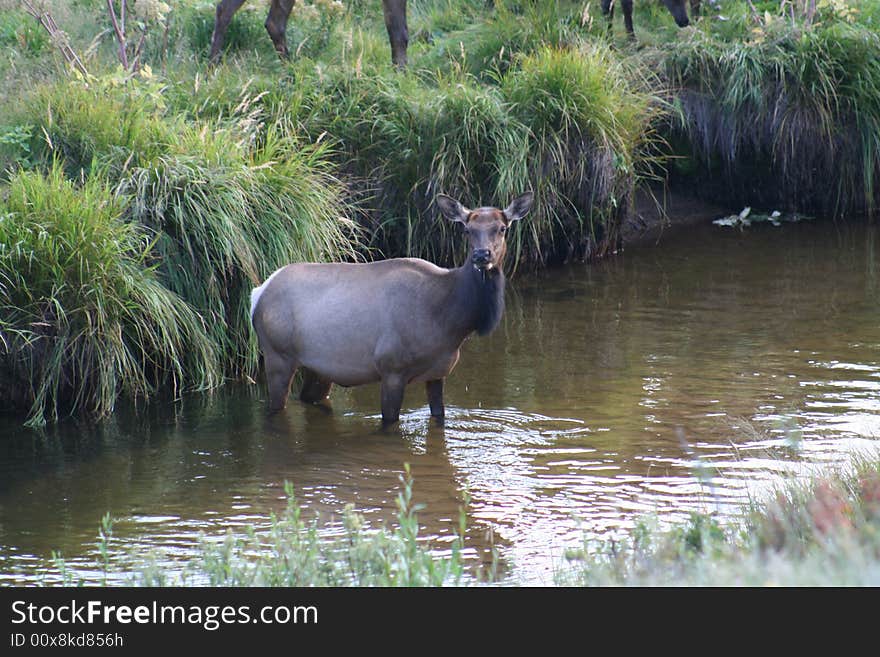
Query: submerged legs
<point x="392" y="398"/>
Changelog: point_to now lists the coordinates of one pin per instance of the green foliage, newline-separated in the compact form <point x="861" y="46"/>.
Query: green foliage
<point x="23" y="33"/>
<point x="784" y="116"/>
<point x="488" y="46"/>
<point x="108" y="122"/>
<point x="294" y="553"/>
<point x="574" y="126"/>
<point x="228" y="212"/>
<point x="15" y="145"/>
<point x="590" y="125"/>
<point x="83" y="318"/>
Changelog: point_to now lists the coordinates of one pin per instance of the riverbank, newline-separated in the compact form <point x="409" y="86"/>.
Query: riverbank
<point x="222" y="175"/>
<point x="822" y="531"/>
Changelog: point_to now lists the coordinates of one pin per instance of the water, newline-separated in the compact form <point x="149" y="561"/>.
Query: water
<point x="663" y="381"/>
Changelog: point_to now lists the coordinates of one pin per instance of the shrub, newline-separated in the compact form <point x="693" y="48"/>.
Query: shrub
<point x="83" y="319"/>
<point x="101" y="122"/>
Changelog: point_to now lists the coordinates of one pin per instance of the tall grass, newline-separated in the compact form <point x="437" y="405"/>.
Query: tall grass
<point x="572" y="124"/>
<point x="225" y="202"/>
<point x="227" y="213"/>
<point x="103" y="122"/>
<point x="590" y="120"/>
<point x="487" y="45"/>
<point x="83" y="317"/>
<point x="787" y="117"/>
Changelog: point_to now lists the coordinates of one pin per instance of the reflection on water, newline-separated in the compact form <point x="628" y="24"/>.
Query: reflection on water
<point x="660" y="382"/>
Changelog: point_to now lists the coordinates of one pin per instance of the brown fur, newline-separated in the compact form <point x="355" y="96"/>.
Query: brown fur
<point x="394" y="321"/>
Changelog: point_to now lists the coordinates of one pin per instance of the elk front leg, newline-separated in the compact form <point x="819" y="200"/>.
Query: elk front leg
<point x="225" y="11"/>
<point x="627" y="6"/>
<point x="276" y="24"/>
<point x="435" y="399"/>
<point x="395" y="22"/>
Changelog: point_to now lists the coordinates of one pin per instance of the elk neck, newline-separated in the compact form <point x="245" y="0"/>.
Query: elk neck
<point x="477" y="300"/>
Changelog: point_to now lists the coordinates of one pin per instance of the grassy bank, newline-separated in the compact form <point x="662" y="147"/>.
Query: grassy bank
<point x="83" y="315"/>
<point x="230" y="172"/>
<point x="778" y="111"/>
<point x="824" y="531"/>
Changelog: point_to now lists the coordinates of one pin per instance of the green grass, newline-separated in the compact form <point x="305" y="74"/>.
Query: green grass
<point x="590" y="122"/>
<point x="779" y="114"/>
<point x="573" y="125"/>
<point x="100" y="122"/>
<point x="225" y="202"/>
<point x="292" y="552"/>
<point x="19" y="32"/>
<point x="823" y="531"/>
<point x="83" y="317"/>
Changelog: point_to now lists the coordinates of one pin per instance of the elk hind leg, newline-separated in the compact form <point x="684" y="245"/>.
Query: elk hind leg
<point x="279" y="373"/>
<point x="394" y="12"/>
<point x="314" y="390"/>
<point x="392" y="398"/>
<point x="276" y="24"/>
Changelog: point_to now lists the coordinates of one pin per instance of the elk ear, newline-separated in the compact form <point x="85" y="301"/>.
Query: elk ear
<point x="452" y="209"/>
<point x="519" y="207"/>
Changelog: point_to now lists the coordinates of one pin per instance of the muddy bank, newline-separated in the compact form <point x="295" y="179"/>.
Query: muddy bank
<point x="659" y="213"/>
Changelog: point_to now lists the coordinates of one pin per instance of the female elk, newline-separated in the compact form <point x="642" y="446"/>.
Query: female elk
<point x="395" y="321"/>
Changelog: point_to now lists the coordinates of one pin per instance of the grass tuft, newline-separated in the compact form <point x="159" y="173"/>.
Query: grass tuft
<point x="83" y="317"/>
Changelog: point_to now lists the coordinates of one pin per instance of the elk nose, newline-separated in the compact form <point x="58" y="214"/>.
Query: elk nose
<point x="481" y="256"/>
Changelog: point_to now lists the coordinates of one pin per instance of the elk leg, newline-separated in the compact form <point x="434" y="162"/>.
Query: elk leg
<point x="608" y="10"/>
<point x="398" y="35"/>
<point x="279" y="373"/>
<point x="695" y="9"/>
<point x="276" y="24"/>
<point x="435" y="398"/>
<point x="314" y="390"/>
<point x="225" y="11"/>
<point x="627" y="6"/>
<point x="392" y="398"/>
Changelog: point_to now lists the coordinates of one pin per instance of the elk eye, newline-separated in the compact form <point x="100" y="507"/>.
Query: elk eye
<point x="502" y="230"/>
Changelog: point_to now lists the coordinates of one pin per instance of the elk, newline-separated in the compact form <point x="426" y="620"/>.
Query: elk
<point x="675" y="7"/>
<point x="396" y="321"/>
<point x="394" y="12"/>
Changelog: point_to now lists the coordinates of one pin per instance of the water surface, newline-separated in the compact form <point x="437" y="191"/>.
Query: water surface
<point x="663" y="381"/>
